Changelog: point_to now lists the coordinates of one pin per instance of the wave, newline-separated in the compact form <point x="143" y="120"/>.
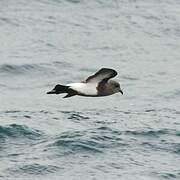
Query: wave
<point x="130" y="78"/>
<point x="20" y="69"/>
<point x="99" y="139"/>
<point x="75" y="142"/>
<point x="152" y="133"/>
<point x="74" y="115"/>
<point x="42" y="68"/>
<point x="18" y="131"/>
<point x="94" y="140"/>
<point x="156" y="139"/>
<point x="35" y="168"/>
<point x="9" y="21"/>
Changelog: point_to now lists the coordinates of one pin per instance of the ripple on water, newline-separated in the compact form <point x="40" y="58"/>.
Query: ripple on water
<point x="9" y="21"/>
<point x="75" y="115"/>
<point x="19" y="69"/>
<point x="157" y="140"/>
<point x="167" y="175"/>
<point x="36" y="169"/>
<point x="18" y="131"/>
<point x="76" y="142"/>
<point x="41" y="68"/>
<point x="150" y="133"/>
<point x="92" y="140"/>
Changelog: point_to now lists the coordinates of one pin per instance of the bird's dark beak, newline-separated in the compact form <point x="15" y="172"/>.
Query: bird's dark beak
<point x="121" y="91"/>
<point x="52" y="92"/>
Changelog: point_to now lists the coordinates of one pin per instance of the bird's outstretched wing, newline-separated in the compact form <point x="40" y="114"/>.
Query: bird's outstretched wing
<point x="103" y="74"/>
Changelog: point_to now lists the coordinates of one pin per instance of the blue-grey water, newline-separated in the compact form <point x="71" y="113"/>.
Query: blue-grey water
<point x="46" y="137"/>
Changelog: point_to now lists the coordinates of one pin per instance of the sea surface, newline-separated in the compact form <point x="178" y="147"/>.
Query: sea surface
<point x="120" y="137"/>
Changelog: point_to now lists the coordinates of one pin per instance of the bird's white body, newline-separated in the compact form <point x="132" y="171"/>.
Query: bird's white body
<point x="85" y="88"/>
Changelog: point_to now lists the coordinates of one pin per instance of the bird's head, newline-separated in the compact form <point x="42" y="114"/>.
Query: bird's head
<point x="115" y="86"/>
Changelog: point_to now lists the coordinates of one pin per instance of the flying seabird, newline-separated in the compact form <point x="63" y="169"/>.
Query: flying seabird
<point x="99" y="84"/>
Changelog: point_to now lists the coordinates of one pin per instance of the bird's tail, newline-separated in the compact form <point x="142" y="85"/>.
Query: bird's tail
<point x="58" y="89"/>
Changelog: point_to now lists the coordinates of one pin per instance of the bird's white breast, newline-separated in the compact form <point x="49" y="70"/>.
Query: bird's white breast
<point x="84" y="88"/>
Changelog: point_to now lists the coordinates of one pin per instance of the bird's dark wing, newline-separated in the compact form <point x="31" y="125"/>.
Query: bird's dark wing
<point x="103" y="74"/>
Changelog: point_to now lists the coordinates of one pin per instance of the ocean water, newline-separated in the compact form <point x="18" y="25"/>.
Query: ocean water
<point x="134" y="136"/>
